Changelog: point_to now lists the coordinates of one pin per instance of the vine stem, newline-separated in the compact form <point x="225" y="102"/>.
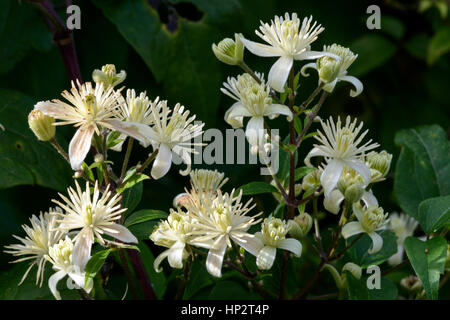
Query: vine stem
<point x="306" y="103"/>
<point x="148" y="161"/>
<point x="291" y="207"/>
<point x="311" y="119"/>
<point x="61" y="36"/>
<point x="127" y="157"/>
<point x="126" y="269"/>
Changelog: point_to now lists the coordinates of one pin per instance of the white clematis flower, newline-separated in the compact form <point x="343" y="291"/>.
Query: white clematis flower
<point x="40" y="237"/>
<point x="219" y="221"/>
<point x="254" y="101"/>
<point x="403" y="226"/>
<point x="339" y="146"/>
<point x="172" y="131"/>
<point x="60" y="255"/>
<point x="331" y="71"/>
<point x="290" y="39"/>
<point x="370" y="219"/>
<point x="173" y="234"/>
<point x="93" y="217"/>
<point x="273" y="235"/>
<point x="135" y="109"/>
<point x="205" y="183"/>
<point x="90" y="109"/>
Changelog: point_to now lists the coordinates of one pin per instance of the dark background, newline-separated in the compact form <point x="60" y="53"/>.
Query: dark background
<point x="165" y="48"/>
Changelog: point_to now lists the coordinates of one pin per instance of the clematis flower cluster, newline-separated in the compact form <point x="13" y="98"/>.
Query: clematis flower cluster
<point x="64" y="236"/>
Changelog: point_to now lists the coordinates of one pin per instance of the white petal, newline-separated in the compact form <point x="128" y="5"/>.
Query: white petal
<point x="311" y="55"/>
<point x="333" y="202"/>
<point x="276" y="109"/>
<point x="53" y="282"/>
<point x="82" y="250"/>
<point x="215" y="257"/>
<point x="79" y="146"/>
<point x="260" y="49"/>
<point x="292" y="245"/>
<point x="311" y="65"/>
<point x="250" y="243"/>
<point x="266" y="257"/>
<point x="315" y="152"/>
<point x="361" y="168"/>
<point x="51" y="109"/>
<point x="141" y="132"/>
<point x="331" y="175"/>
<point x="377" y="242"/>
<point x="329" y="87"/>
<point x="255" y="131"/>
<point x="120" y="232"/>
<point x="369" y="199"/>
<point x="397" y="258"/>
<point x="159" y="259"/>
<point x="358" y="85"/>
<point x="176" y="255"/>
<point x="236" y="121"/>
<point x="279" y="73"/>
<point x="351" y="228"/>
<point x="162" y="162"/>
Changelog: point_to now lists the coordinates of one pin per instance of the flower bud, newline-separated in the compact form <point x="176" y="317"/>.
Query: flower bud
<point x="328" y="69"/>
<point x="354" y="193"/>
<point x="300" y="225"/>
<point x="411" y="284"/>
<point x="379" y="164"/>
<point x="41" y="125"/>
<point x="78" y="174"/>
<point x="229" y="51"/>
<point x="99" y="158"/>
<point x="108" y="76"/>
<point x="311" y="181"/>
<point x="273" y="230"/>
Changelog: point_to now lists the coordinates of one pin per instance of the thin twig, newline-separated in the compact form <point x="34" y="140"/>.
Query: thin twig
<point x="127" y="158"/>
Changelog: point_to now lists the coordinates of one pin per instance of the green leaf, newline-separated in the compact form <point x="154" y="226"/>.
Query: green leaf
<point x="158" y="279"/>
<point x="428" y="261"/>
<point x="24" y="159"/>
<point x="439" y="45"/>
<point x="95" y="263"/>
<point x="418" y="46"/>
<point x="24" y="20"/>
<point x="358" y="253"/>
<point x="231" y="290"/>
<point x="113" y="139"/>
<point x="198" y="279"/>
<point x="358" y="289"/>
<point x="256" y="187"/>
<point x="131" y="197"/>
<point x="373" y="51"/>
<point x="434" y="213"/>
<point x="143" y="230"/>
<point x="423" y="168"/>
<point x="182" y="54"/>
<point x="302" y="171"/>
<point x="144" y="215"/>
<point x="392" y="26"/>
<point x="132" y="181"/>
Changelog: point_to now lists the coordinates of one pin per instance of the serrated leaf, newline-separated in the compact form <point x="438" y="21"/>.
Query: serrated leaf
<point x="144" y="215"/>
<point x="428" y="261"/>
